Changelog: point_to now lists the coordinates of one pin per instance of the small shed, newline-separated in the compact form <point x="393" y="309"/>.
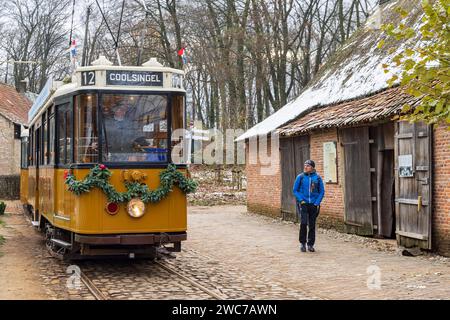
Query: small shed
<point x="14" y="108"/>
<point x="382" y="177"/>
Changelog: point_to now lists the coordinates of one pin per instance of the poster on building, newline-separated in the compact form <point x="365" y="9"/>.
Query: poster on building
<point x="163" y="126"/>
<point x="329" y="162"/>
<point x="405" y="167"/>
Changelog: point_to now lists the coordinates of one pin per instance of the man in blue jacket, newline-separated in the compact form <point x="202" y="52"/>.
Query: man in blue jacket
<point x="309" y="191"/>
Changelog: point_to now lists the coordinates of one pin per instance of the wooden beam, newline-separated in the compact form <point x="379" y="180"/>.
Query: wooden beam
<point x="404" y="136"/>
<point x="412" y="235"/>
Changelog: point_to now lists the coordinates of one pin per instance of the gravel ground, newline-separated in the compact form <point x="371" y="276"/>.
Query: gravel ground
<point x="213" y="193"/>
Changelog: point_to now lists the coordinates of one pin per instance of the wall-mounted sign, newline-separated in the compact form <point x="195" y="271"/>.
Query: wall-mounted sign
<point x="134" y="78"/>
<point x="405" y="167"/>
<point x="149" y="127"/>
<point x="163" y="126"/>
<point x="329" y="162"/>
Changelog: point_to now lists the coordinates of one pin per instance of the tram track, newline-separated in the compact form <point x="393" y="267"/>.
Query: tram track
<point x="192" y="282"/>
<point x="194" y="276"/>
<point x="92" y="288"/>
<point x="97" y="293"/>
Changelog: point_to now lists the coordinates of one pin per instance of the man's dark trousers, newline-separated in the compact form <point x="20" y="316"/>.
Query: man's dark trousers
<point x="308" y="216"/>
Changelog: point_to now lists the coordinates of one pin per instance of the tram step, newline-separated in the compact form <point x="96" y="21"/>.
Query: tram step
<point x="35" y="223"/>
<point x="61" y="243"/>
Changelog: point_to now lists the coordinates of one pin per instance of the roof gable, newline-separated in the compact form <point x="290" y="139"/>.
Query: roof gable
<point x="13" y="105"/>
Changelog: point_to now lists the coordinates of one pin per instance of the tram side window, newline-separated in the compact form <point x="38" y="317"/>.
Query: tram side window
<point x="31" y="146"/>
<point x="51" y="139"/>
<point x="36" y="146"/>
<point x="134" y="128"/>
<point x="44" y="149"/>
<point x="86" y="138"/>
<point x="65" y="124"/>
<point x="24" y="153"/>
<point x="179" y="153"/>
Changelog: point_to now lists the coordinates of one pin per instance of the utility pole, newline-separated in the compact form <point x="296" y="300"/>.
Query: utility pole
<point x="143" y="32"/>
<point x="142" y="40"/>
<point x="118" y="33"/>
<point x="14" y="63"/>
<point x="86" y="31"/>
<point x="7" y="68"/>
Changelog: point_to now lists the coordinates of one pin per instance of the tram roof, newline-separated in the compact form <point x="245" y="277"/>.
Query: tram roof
<point x="102" y="75"/>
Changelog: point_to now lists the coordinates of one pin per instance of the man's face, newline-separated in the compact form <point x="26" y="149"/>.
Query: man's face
<point x="307" y="168"/>
<point x="119" y="113"/>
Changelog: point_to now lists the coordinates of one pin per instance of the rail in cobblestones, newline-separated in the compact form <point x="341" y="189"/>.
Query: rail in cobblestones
<point x="92" y="288"/>
<point x="193" y="282"/>
<point x="98" y="291"/>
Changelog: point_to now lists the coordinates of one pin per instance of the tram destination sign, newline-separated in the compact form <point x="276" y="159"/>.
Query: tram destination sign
<point x="134" y="78"/>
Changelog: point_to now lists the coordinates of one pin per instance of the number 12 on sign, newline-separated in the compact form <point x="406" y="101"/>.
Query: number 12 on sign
<point x="88" y="78"/>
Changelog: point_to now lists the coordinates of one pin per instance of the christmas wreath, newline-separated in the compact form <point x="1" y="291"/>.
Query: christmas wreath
<point x="100" y="174"/>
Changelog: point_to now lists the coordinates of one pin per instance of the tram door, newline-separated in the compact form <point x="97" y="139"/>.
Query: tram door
<point x="37" y="150"/>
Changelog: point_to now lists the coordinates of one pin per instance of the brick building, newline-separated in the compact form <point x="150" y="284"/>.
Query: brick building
<point x="13" y="114"/>
<point x="382" y="177"/>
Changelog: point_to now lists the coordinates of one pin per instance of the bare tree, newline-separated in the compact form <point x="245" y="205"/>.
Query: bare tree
<point x="246" y="58"/>
<point x="36" y="38"/>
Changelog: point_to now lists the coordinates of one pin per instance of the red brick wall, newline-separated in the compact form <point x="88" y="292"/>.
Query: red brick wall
<point x="333" y="202"/>
<point x="441" y="190"/>
<point x="263" y="191"/>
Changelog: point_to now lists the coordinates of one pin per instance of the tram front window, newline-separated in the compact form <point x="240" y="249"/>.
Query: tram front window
<point x="134" y="128"/>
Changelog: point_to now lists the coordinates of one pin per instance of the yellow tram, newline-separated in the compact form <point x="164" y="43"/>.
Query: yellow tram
<point x="97" y="170"/>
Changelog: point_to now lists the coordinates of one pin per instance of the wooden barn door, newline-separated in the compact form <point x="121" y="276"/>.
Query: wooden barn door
<point x="358" y="194"/>
<point x="293" y="153"/>
<point x="413" y="163"/>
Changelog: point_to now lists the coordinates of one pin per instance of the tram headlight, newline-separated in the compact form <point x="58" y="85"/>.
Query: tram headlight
<point x="136" y="208"/>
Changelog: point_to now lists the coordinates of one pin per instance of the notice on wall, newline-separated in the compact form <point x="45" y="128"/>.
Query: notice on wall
<point x="149" y="127"/>
<point x="163" y="126"/>
<point x="329" y="162"/>
<point x="405" y="166"/>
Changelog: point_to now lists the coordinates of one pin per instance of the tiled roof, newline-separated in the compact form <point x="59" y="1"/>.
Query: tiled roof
<point x="379" y="106"/>
<point x="13" y="105"/>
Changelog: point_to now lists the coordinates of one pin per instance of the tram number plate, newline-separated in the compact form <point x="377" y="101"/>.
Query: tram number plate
<point x="88" y="78"/>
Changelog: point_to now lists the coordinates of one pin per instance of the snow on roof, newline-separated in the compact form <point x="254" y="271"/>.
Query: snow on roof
<point x="354" y="71"/>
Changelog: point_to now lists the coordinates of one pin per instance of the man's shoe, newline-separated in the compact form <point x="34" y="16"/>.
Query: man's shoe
<point x="311" y="249"/>
<point x="302" y="248"/>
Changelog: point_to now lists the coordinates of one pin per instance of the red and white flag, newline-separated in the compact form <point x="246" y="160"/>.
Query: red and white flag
<point x="182" y="54"/>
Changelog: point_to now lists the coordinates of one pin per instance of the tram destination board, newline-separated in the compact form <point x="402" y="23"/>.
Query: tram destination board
<point x="134" y="78"/>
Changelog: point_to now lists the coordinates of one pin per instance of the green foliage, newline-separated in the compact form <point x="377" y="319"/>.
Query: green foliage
<point x="2" y="208"/>
<point x="426" y="67"/>
<point x="99" y="177"/>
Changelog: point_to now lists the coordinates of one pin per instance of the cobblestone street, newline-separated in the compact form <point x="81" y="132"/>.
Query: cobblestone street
<point x="230" y="254"/>
<point x="268" y="248"/>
